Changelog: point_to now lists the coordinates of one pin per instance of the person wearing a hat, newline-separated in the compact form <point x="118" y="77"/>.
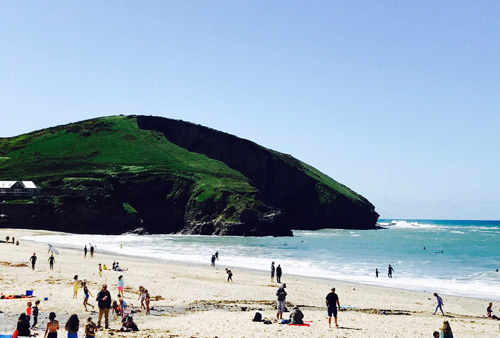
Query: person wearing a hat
<point x="296" y="315"/>
<point x="280" y="304"/>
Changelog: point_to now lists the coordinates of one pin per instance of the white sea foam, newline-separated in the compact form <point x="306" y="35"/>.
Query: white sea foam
<point x="461" y="270"/>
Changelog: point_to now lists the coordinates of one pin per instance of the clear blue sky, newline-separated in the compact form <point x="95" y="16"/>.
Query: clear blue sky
<point x="399" y="100"/>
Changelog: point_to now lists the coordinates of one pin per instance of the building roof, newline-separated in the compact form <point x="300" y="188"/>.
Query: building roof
<point x="29" y="185"/>
<point x="7" y="184"/>
<point x="26" y="184"/>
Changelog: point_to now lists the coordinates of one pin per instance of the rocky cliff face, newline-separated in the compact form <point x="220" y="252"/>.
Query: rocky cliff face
<point x="282" y="185"/>
<point x="235" y="187"/>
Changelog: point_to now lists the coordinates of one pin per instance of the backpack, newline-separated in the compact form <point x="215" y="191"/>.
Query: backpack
<point x="257" y="317"/>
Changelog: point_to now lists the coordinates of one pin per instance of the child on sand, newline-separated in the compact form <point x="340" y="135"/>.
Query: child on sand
<point x="439" y="305"/>
<point x="120" y="283"/>
<point x="28" y="312"/>
<point x="90" y="328"/>
<point x="76" y="285"/>
<point x="100" y="270"/>
<point x="147" y="300"/>
<point x="35" y="314"/>
<point x="142" y="296"/>
<point x="72" y="326"/>
<point x="86" y="296"/>
<point x="52" y="326"/>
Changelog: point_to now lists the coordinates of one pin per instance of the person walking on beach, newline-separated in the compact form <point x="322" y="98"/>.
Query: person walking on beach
<point x="86" y="295"/>
<point x="72" y="326"/>
<point x="332" y="301"/>
<point x="390" y="270"/>
<point x="85" y="252"/>
<point x="104" y="303"/>
<point x="35" y="314"/>
<point x="376" y="272"/>
<point x="229" y="275"/>
<point x="280" y="303"/>
<point x="33" y="261"/>
<point x="213" y="260"/>
<point x="446" y="330"/>
<point x="51" y="262"/>
<point x="52" y="326"/>
<point x="278" y="273"/>
<point x="120" y="283"/>
<point x="439" y="305"/>
<point x="76" y="285"/>
<point x="272" y="272"/>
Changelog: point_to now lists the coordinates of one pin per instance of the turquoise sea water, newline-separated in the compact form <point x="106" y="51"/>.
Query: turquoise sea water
<point x="471" y="253"/>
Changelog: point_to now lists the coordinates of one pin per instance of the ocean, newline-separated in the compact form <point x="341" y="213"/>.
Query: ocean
<point x="466" y="267"/>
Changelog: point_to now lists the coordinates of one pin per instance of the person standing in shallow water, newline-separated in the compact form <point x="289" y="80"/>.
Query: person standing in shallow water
<point x="376" y="272"/>
<point x="278" y="273"/>
<point x="213" y="260"/>
<point x="390" y="270"/>
<point x="85" y="252"/>
<point x="272" y="272"/>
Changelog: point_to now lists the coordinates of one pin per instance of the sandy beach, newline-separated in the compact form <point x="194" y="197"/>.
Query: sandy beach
<point x="197" y="301"/>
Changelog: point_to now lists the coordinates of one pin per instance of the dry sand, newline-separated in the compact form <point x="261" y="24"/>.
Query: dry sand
<point x="196" y="301"/>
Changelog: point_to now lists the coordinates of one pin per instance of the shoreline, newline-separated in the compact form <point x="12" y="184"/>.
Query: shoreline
<point x="195" y="299"/>
<point x="415" y="288"/>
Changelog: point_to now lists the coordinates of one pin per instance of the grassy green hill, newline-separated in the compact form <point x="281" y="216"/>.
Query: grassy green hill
<point x="140" y="171"/>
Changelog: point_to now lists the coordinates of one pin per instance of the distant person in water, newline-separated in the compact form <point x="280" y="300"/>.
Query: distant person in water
<point x="33" y="261"/>
<point x="229" y="275"/>
<point x="376" y="272"/>
<point x="390" y="270"/>
<point x="273" y="269"/>
<point x="213" y="260"/>
<point x="85" y="252"/>
<point x="439" y="305"/>
<point x="51" y="262"/>
<point x="278" y="273"/>
<point x="217" y="255"/>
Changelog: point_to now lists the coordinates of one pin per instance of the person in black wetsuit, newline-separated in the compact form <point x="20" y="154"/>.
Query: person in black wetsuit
<point x="213" y="260"/>
<point x="91" y="251"/>
<point x="35" y="314"/>
<point x="390" y="270"/>
<point x="229" y="275"/>
<point x="85" y="252"/>
<point x="33" y="261"/>
<point x="376" y="272"/>
<point x="278" y="273"/>
<point x="51" y="261"/>
<point x="272" y="272"/>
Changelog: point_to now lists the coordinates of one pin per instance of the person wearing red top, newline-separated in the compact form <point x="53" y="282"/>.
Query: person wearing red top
<point x="28" y="311"/>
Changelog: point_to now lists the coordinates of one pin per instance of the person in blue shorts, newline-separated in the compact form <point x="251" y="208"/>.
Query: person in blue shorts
<point x="332" y="301"/>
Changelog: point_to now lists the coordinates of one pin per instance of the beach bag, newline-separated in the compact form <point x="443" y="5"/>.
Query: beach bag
<point x="257" y="317"/>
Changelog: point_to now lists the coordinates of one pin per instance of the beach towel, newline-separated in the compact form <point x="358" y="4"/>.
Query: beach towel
<point x="300" y="324"/>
